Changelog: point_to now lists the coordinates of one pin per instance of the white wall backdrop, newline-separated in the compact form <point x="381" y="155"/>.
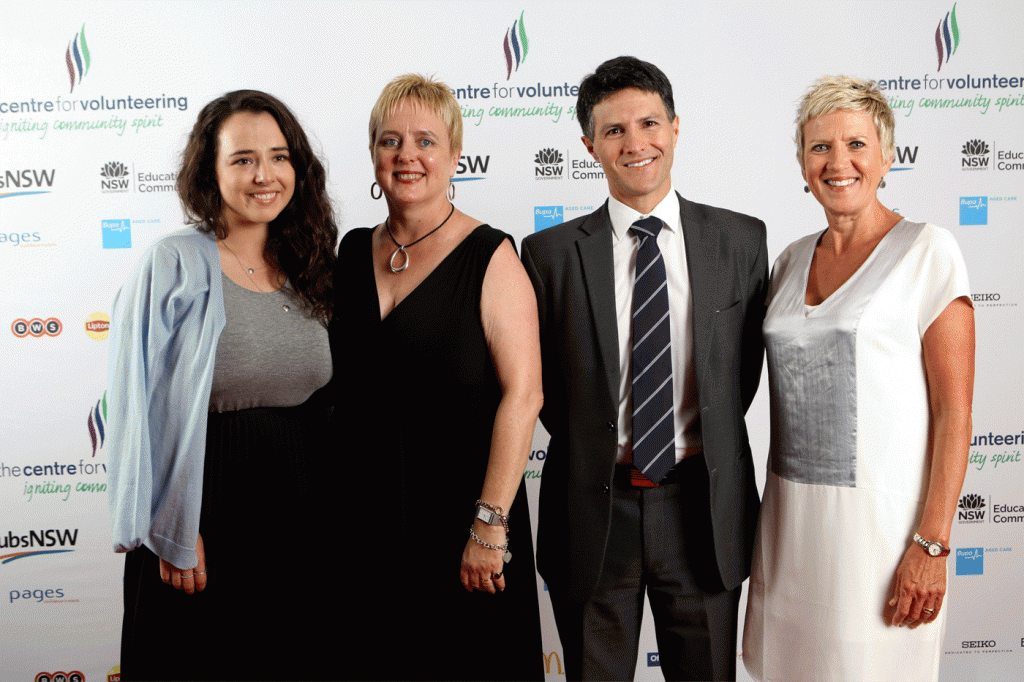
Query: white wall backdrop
<point x="96" y="99"/>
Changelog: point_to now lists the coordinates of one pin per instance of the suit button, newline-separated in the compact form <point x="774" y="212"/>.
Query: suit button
<point x="606" y="488"/>
<point x="611" y="426"/>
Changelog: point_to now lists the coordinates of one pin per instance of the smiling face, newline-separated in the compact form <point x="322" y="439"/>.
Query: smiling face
<point x="634" y="141"/>
<point x="254" y="170"/>
<point x="412" y="155"/>
<point x="843" y="162"/>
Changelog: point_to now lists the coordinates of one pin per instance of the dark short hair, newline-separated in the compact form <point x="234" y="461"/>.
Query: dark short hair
<point x="618" y="74"/>
<point x="302" y="238"/>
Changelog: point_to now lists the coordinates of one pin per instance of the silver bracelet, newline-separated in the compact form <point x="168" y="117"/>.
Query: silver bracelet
<point x="506" y="555"/>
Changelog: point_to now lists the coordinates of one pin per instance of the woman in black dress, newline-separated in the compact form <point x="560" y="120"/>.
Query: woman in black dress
<point x="436" y="343"/>
<point x="218" y="353"/>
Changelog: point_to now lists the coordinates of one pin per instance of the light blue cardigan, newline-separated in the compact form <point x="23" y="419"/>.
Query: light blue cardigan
<point x="163" y="340"/>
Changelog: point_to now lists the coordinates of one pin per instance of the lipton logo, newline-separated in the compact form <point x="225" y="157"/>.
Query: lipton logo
<point x="947" y="37"/>
<point x="516" y="45"/>
<point x="77" y="58"/>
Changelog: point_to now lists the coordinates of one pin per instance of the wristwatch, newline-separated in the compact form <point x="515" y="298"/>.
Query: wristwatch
<point x="488" y="517"/>
<point x="933" y="548"/>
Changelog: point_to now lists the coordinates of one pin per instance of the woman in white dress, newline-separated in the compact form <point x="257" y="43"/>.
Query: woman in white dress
<point x="870" y="345"/>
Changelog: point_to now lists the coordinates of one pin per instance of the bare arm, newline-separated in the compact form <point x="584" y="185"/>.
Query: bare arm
<point x="508" y="309"/>
<point x="920" y="583"/>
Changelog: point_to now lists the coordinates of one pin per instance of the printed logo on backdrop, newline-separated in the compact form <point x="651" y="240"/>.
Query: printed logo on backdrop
<point x="1008" y="454"/>
<point x="970" y="560"/>
<point x="73" y="676"/>
<point x="553" y="658"/>
<point x="36" y="543"/>
<point x="497" y="100"/>
<point x="543" y="218"/>
<point x="78" y="110"/>
<point x="976" y="156"/>
<point x="948" y="89"/>
<point x="550" y="165"/>
<point x="993" y="299"/>
<point x="115" y="177"/>
<point x="36" y="327"/>
<point x="471" y="168"/>
<point x="117" y="233"/>
<point x="97" y="326"/>
<point x="26" y="182"/>
<point x="114" y="674"/>
<point x="905" y="159"/>
<point x="515" y="45"/>
<point x="653" y="659"/>
<point x="40" y="595"/>
<point x="97" y="424"/>
<point x="76" y="55"/>
<point x="974" y="210"/>
<point x="972" y="509"/>
<point x="947" y="37"/>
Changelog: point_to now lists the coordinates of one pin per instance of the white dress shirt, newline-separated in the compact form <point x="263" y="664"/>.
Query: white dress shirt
<point x="684" y="383"/>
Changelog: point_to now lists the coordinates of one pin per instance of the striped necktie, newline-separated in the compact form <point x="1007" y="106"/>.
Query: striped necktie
<point x="653" y="420"/>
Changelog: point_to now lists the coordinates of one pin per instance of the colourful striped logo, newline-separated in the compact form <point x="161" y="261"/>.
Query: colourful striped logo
<point x="97" y="419"/>
<point x="947" y="37"/>
<point x="516" y="45"/>
<point x="77" y="58"/>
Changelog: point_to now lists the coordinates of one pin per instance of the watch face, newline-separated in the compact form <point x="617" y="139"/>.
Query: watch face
<point x="934" y="549"/>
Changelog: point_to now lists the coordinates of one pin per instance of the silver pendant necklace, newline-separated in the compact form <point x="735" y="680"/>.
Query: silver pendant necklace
<point x="402" y="247"/>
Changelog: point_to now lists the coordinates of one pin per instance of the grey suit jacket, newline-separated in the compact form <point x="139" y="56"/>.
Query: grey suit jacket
<point x="570" y="266"/>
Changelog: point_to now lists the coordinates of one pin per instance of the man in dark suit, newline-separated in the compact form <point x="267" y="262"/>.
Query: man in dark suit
<point x="670" y="513"/>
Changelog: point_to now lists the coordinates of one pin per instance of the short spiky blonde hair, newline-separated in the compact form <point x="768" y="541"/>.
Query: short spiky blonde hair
<point x="831" y="93"/>
<point x="434" y="95"/>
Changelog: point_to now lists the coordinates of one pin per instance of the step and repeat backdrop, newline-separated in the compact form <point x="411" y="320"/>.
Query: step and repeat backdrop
<point x="96" y="99"/>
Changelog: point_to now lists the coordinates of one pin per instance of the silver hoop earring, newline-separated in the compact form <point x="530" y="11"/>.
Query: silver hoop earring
<point x="881" y="185"/>
<point x="380" y="191"/>
<point x="807" y="189"/>
<point x="451" y="191"/>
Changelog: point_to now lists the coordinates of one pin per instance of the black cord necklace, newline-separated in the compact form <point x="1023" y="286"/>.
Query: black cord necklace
<point x="402" y="247"/>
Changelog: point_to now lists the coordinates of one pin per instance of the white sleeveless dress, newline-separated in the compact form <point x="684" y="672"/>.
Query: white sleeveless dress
<point x="848" y="469"/>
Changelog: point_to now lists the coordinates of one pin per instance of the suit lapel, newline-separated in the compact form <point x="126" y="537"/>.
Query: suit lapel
<point x="595" y="251"/>
<point x="702" y="263"/>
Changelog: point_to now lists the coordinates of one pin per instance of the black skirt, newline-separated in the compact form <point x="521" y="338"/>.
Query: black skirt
<point x="260" y="516"/>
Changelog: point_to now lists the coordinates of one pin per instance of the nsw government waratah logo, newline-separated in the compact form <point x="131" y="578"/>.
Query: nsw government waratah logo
<point x="972" y="509"/>
<point x="77" y="58"/>
<point x="115" y="177"/>
<point x="516" y="45"/>
<point x="947" y="37"/>
<point x="550" y="164"/>
<point x="976" y="155"/>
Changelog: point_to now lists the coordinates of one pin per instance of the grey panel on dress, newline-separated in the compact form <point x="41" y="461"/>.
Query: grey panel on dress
<point x="812" y="364"/>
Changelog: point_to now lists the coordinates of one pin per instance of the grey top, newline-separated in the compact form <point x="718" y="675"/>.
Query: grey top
<point x="270" y="354"/>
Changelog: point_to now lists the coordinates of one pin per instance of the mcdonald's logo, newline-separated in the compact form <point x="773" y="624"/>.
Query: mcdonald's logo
<point x="547" y="663"/>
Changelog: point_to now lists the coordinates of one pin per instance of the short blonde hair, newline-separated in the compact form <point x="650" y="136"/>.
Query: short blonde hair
<point x="434" y="95"/>
<point x="831" y="93"/>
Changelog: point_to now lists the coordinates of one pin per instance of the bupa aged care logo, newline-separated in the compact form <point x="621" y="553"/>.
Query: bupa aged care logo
<point x="972" y="509"/>
<point x="550" y="164"/>
<point x="976" y="155"/>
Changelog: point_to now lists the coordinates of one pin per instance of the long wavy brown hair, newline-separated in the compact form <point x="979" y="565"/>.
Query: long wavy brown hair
<point x="302" y="238"/>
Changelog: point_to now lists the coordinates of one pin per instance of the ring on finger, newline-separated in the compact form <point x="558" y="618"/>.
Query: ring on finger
<point x="928" y="611"/>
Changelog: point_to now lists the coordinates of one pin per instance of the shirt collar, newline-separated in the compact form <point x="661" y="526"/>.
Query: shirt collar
<point x="623" y="216"/>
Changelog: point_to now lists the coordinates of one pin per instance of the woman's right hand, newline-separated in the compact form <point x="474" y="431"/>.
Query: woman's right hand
<point x="191" y="580"/>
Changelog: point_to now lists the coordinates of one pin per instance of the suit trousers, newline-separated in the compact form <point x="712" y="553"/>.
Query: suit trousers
<point x="660" y="544"/>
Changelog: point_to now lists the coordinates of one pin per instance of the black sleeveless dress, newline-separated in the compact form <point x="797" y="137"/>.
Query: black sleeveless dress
<point x="418" y="396"/>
